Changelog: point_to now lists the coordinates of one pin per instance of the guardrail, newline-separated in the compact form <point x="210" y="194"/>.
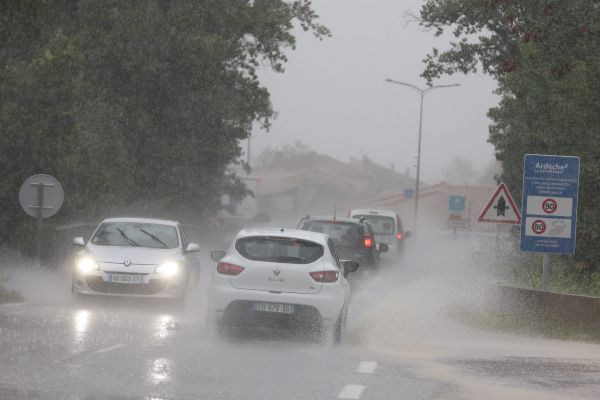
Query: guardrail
<point x="549" y="306"/>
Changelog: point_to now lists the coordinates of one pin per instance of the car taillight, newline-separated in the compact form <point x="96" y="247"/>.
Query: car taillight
<point x="325" y="276"/>
<point x="368" y="242"/>
<point x="229" y="269"/>
<point x="399" y="236"/>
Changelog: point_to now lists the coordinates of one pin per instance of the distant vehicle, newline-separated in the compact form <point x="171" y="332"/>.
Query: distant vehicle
<point x="135" y="257"/>
<point x="354" y="239"/>
<point x="387" y="227"/>
<point x="280" y="278"/>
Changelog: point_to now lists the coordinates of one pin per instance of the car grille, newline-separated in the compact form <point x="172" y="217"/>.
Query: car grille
<point x="98" y="285"/>
<point x="240" y="313"/>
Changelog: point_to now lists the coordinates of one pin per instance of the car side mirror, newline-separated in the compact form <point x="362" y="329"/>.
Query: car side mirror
<point x="192" y="248"/>
<point x="383" y="247"/>
<point x="78" y="241"/>
<point x="407" y="234"/>
<point x="349" y="266"/>
<point x="217" y="255"/>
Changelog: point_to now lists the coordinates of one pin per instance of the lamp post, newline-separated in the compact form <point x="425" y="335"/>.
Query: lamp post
<point x="422" y="93"/>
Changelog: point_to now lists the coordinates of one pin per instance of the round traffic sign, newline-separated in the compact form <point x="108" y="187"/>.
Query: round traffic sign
<point x="549" y="206"/>
<point x="41" y="196"/>
<point x="538" y="226"/>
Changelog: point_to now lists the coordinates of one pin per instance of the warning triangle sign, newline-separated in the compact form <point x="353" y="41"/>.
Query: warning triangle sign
<point x="501" y="208"/>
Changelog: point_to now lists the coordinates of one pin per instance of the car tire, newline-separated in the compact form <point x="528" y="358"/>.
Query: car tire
<point x="338" y="330"/>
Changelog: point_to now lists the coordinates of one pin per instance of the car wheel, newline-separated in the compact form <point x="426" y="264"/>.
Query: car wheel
<point x="338" y="330"/>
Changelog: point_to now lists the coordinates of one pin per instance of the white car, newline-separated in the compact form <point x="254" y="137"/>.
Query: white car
<point x="387" y="227"/>
<point x="135" y="257"/>
<point x="280" y="278"/>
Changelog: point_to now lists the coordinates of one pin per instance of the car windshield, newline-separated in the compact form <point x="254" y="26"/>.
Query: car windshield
<point x="381" y="225"/>
<point x="342" y="233"/>
<point x="278" y="249"/>
<point x="156" y="236"/>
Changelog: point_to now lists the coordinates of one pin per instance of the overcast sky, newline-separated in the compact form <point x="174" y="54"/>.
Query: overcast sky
<point x="333" y="96"/>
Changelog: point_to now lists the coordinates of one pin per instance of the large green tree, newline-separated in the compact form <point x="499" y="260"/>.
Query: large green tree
<point x="545" y="55"/>
<point x="135" y="106"/>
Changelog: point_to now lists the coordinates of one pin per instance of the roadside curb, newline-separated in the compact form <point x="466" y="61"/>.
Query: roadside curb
<point x="540" y="305"/>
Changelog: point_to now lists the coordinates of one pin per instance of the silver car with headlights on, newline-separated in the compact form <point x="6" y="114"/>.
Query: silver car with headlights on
<point x="136" y="257"/>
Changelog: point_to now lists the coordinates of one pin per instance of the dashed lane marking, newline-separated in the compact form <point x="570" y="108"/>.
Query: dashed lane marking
<point x="110" y="348"/>
<point x="366" y="367"/>
<point x="351" y="392"/>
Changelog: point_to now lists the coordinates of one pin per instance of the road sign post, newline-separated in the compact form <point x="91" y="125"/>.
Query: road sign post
<point x="550" y="188"/>
<point x="41" y="196"/>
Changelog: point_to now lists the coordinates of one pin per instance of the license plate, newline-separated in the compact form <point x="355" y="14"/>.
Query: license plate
<point x="125" y="278"/>
<point x="274" y="307"/>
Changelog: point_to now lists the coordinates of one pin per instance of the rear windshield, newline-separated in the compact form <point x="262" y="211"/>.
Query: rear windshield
<point x="381" y="225"/>
<point x="342" y="233"/>
<point x="278" y="249"/>
<point x="136" y="235"/>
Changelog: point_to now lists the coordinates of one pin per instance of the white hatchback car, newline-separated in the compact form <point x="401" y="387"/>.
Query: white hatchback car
<point x="135" y="257"/>
<point x="280" y="278"/>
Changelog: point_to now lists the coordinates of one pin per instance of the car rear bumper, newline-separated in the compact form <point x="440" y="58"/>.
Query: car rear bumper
<point x="234" y="307"/>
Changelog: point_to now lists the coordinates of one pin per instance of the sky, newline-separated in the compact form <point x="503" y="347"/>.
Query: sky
<point x="333" y="96"/>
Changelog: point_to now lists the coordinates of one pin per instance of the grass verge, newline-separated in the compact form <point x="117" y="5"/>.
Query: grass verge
<point x="518" y="324"/>
<point x="9" y="296"/>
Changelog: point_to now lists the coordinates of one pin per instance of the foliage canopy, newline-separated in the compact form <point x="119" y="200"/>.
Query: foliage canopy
<point x="545" y="55"/>
<point x="136" y="107"/>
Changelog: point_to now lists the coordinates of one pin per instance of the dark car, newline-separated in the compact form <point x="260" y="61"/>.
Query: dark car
<point x="354" y="239"/>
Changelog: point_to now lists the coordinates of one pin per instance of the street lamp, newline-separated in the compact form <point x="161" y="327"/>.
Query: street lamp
<point x="422" y="92"/>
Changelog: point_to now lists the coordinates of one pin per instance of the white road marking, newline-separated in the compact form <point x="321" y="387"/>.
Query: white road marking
<point x="13" y="304"/>
<point x="352" y="392"/>
<point x="366" y="367"/>
<point x="110" y="348"/>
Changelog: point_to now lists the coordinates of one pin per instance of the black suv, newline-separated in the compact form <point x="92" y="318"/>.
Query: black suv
<point x="354" y="239"/>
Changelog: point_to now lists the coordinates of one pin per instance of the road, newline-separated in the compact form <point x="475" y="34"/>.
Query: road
<point x="401" y="345"/>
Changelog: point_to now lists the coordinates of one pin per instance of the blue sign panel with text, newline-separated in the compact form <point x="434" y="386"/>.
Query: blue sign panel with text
<point x="550" y="186"/>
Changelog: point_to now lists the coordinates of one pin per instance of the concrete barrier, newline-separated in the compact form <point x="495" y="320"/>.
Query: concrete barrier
<point x="549" y="306"/>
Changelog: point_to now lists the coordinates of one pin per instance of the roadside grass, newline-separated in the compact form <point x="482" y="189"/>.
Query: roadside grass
<point x="566" y="276"/>
<point x="9" y="296"/>
<point x="512" y="323"/>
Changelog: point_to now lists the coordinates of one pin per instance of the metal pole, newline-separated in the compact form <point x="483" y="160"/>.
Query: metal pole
<point x="418" y="163"/>
<point x="40" y="221"/>
<point x="422" y="92"/>
<point x="248" y="151"/>
<point x="545" y="271"/>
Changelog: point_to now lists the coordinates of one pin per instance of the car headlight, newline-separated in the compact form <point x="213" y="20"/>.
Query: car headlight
<point x="87" y="264"/>
<point x="168" y="269"/>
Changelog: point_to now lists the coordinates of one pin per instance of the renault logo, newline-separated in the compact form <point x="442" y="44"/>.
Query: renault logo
<point x="127" y="263"/>
<point x="276" y="271"/>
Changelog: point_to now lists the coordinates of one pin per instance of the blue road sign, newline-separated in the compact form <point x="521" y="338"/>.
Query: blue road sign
<point x="550" y="186"/>
<point x="409" y="193"/>
<point x="456" y="203"/>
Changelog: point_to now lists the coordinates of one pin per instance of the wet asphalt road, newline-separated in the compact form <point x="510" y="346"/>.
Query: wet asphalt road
<point x="398" y="346"/>
<point x="116" y="352"/>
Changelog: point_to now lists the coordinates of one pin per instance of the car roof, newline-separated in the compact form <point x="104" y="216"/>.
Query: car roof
<point x="142" y="220"/>
<point x="317" y="237"/>
<point x="329" y="218"/>
<point x="373" y="211"/>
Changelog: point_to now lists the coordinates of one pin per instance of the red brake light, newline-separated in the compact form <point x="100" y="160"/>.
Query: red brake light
<point x="399" y="236"/>
<point x="229" y="269"/>
<point x="368" y="242"/>
<point x="325" y="276"/>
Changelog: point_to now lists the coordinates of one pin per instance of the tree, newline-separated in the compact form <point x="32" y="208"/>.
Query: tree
<point x="544" y="55"/>
<point x="461" y="171"/>
<point x="271" y="155"/>
<point x="136" y="107"/>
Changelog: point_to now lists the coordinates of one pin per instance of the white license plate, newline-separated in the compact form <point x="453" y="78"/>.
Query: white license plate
<point x="274" y="307"/>
<point x="125" y="278"/>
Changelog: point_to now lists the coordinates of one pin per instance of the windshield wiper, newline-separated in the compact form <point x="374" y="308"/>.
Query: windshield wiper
<point x="128" y="239"/>
<point x="155" y="238"/>
<point x="288" y="259"/>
